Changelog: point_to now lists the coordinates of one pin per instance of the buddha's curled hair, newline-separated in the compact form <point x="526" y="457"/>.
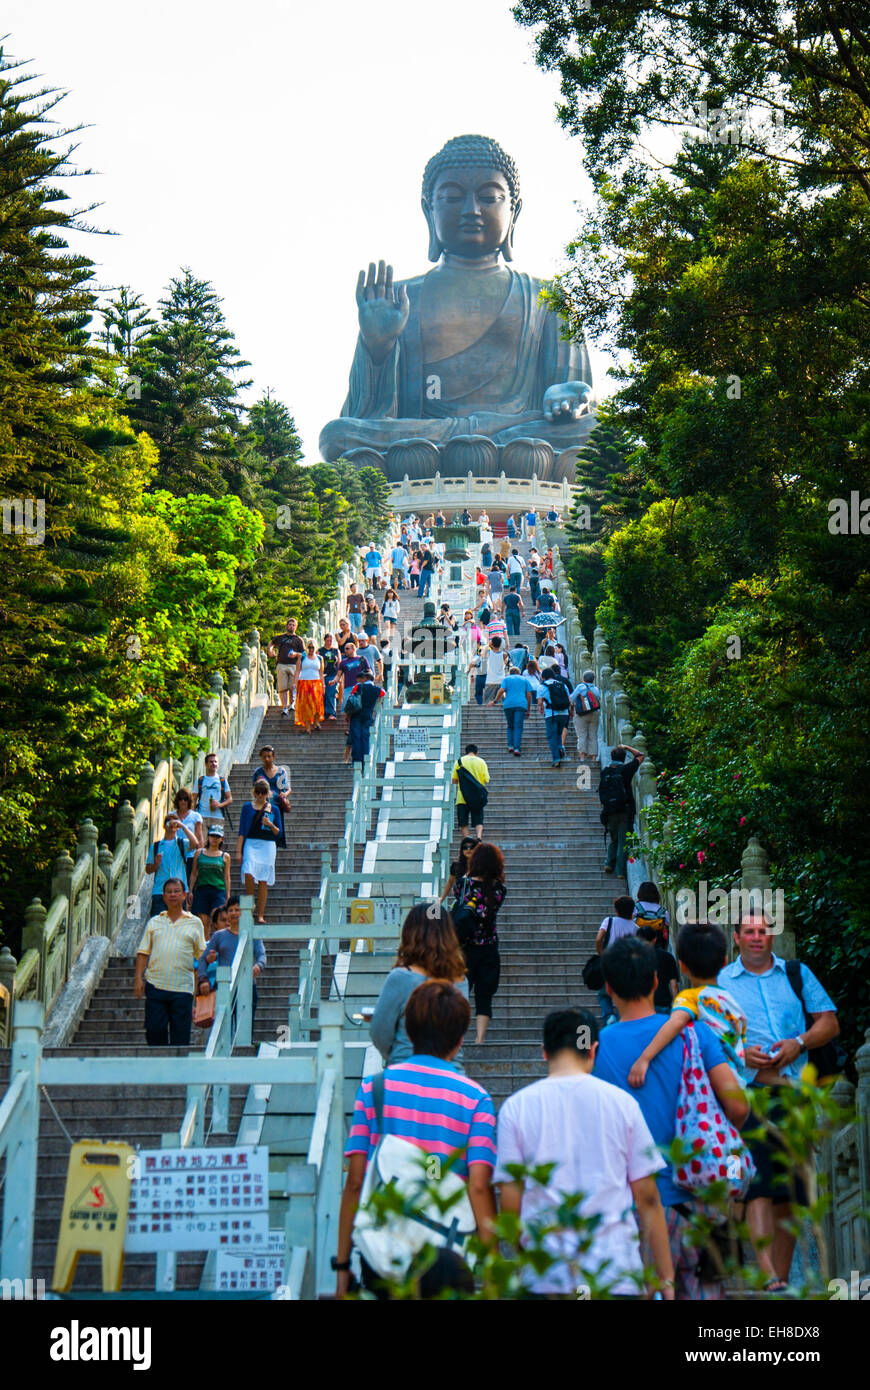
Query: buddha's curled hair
<point x="466" y="152"/>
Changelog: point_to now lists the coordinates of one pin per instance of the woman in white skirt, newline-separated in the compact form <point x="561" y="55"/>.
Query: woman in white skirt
<point x="259" y="828"/>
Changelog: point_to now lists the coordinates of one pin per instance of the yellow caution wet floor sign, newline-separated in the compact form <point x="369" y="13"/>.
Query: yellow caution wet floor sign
<point x="95" y="1204"/>
<point x="362" y="911"/>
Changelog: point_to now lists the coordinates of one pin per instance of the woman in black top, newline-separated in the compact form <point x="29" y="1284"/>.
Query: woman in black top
<point x="483" y="892"/>
<point x="459" y="869"/>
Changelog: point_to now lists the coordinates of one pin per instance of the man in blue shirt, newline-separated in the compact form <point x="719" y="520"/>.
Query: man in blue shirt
<point x="629" y="967"/>
<point x="398" y="559"/>
<point x="777" y="1039"/>
<point x="167" y="859"/>
<point x="516" y="691"/>
<point x="373" y="567"/>
<point x="555" y="703"/>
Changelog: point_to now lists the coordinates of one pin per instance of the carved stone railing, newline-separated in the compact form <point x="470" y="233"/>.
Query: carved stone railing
<point x="91" y="893"/>
<point x="499" y="491"/>
<point x="845" y="1160"/>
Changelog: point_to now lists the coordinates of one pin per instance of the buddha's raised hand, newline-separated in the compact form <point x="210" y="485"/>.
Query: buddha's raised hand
<point x="567" y="401"/>
<point x="383" y="309"/>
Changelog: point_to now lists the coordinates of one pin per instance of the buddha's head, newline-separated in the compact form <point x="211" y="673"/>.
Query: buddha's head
<point x="471" y="199"/>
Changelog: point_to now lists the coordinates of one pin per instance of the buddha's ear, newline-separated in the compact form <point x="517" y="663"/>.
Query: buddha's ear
<point x="435" y="247"/>
<point x="507" y="246"/>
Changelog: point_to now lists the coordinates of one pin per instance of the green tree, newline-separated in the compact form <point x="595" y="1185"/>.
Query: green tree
<point x="605" y="499"/>
<point x="188" y="366"/>
<point x="126" y="319"/>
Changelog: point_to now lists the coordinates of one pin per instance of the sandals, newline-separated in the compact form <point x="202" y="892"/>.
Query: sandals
<point x="776" y="1286"/>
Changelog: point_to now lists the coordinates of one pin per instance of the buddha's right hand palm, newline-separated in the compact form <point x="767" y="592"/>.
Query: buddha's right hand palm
<point x="383" y="309"/>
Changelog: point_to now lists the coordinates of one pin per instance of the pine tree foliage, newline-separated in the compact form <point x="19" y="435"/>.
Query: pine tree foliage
<point x="188" y="367"/>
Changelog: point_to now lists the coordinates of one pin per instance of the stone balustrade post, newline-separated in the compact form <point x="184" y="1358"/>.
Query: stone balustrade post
<point x="33" y="936"/>
<point x="8" y="966"/>
<point x="125" y="830"/>
<point x="234" y="684"/>
<point x="87" y="839"/>
<point x="61" y="879"/>
<point x="86" y="845"/>
<point x="105" y="860"/>
<point x="145" y="785"/>
<point x="757" y="895"/>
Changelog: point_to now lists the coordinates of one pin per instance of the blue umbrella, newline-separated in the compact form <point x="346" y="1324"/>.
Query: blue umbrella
<point x="545" y="620"/>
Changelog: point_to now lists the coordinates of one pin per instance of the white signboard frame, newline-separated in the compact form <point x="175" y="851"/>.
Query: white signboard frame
<point x="199" y="1199"/>
<point x="414" y="740"/>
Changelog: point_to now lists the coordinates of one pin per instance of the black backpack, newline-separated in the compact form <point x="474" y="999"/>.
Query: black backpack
<point x="593" y="975"/>
<point x="474" y="793"/>
<point x="829" y="1059"/>
<point x="559" y="700"/>
<point x="612" y="791"/>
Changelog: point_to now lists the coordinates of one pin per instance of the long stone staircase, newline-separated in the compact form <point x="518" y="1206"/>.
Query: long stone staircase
<point x="552" y="841"/>
<point x="114" y="1022"/>
<point x="551" y="837"/>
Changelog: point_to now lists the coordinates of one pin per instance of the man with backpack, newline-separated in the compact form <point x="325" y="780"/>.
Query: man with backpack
<point x="586" y="704"/>
<point x="555" y="705"/>
<point x="400" y="1116"/>
<point x="213" y="794"/>
<point x="617" y="804"/>
<point x="167" y="860"/>
<point x="790" y="1020"/>
<point x="471" y="774"/>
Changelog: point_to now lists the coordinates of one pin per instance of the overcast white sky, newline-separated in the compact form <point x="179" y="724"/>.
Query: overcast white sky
<point x="277" y="147"/>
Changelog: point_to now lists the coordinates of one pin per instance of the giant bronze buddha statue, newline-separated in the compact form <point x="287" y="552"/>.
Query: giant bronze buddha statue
<point x="467" y="349"/>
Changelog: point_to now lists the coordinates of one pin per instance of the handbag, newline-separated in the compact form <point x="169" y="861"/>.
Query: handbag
<point x="203" y="1009"/>
<point x="353" y="703"/>
<point x="716" y="1151"/>
<point x="593" y="975"/>
<point x="389" y="1246"/>
<point x="465" y="919"/>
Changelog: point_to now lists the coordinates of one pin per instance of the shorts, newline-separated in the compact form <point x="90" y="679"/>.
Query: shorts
<point x="205" y="900"/>
<point x="286" y="677"/>
<point x="484" y="972"/>
<point x="773" y="1178"/>
<point x="490" y="692"/>
<point x="465" y="815"/>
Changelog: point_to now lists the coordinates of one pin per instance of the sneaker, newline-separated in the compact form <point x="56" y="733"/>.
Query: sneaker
<point x="608" y="869"/>
<point x="285" y="714"/>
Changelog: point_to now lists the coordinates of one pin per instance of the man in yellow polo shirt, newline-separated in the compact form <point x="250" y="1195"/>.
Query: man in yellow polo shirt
<point x="173" y="942"/>
<point x="471" y="796"/>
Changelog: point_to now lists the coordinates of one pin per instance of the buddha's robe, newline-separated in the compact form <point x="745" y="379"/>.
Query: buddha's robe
<point x="493" y="387"/>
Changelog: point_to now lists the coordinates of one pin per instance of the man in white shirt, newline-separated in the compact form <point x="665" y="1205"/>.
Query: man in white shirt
<point x="496" y="668"/>
<point x="515" y="567"/>
<point x="601" y="1148"/>
<point x="620" y="923"/>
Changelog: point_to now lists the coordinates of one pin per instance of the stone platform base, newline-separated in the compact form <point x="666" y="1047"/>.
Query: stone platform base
<point x="470" y="454"/>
